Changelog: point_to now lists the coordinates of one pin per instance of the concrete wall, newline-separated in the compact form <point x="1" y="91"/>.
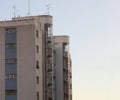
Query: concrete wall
<point x="59" y="71"/>
<point x="39" y="72"/>
<point x="26" y="82"/>
<point x="2" y="64"/>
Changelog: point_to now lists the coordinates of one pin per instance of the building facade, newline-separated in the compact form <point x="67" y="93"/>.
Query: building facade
<point x="28" y="60"/>
<point x="63" y="68"/>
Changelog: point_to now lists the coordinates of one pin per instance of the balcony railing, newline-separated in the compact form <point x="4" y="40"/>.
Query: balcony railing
<point x="66" y="54"/>
<point x="66" y="90"/>
<point x="65" y="67"/>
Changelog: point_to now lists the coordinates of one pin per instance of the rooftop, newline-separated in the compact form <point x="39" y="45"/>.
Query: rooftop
<point x="23" y="20"/>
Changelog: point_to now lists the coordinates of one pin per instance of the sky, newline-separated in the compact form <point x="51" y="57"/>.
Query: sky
<point x="94" y="30"/>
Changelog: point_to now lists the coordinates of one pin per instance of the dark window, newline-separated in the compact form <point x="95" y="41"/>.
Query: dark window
<point x="37" y="34"/>
<point x="10" y="92"/>
<point x="37" y="64"/>
<point x="37" y="95"/>
<point x="37" y="79"/>
<point x="37" y="48"/>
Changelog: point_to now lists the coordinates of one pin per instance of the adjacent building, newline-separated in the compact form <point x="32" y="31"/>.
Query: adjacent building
<point x="34" y="65"/>
<point x="63" y="68"/>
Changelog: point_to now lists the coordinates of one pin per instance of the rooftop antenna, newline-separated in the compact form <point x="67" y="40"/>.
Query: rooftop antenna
<point x="48" y="8"/>
<point x="28" y="7"/>
<point x="18" y="15"/>
<point x="14" y="8"/>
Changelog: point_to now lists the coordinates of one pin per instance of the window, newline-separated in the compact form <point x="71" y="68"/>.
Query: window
<point x="10" y="53"/>
<point x="10" y="45"/>
<point x="10" y="92"/>
<point x="10" y="60"/>
<point x="10" y="76"/>
<point x="37" y="64"/>
<point x="37" y="79"/>
<point x="37" y="48"/>
<point x="10" y="35"/>
<point x="37" y="95"/>
<point x="37" y="34"/>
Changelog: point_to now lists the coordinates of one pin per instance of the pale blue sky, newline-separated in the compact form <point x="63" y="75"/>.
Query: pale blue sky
<point x="94" y="29"/>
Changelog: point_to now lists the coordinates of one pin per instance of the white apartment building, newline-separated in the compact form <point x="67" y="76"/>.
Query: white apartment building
<point x="63" y="68"/>
<point x="30" y="58"/>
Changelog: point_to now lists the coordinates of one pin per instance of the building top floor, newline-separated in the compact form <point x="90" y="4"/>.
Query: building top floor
<point x="61" y="39"/>
<point x="27" y="20"/>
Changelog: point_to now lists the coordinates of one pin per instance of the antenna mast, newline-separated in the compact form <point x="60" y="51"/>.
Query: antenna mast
<point x="48" y="8"/>
<point x="14" y="10"/>
<point x="28" y="7"/>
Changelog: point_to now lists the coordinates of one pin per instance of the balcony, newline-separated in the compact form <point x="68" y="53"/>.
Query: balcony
<point x="49" y="60"/>
<point x="49" y="84"/>
<point x="65" y="63"/>
<point x="49" y="40"/>
<point x="49" y="52"/>
<point x="49" y="55"/>
<point x="49" y="69"/>
<point x="66" y="90"/>
<point x="66" y="54"/>
<point x="65" y="67"/>
<point x="66" y="96"/>
<point x="65" y="76"/>
<point x="49" y="66"/>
